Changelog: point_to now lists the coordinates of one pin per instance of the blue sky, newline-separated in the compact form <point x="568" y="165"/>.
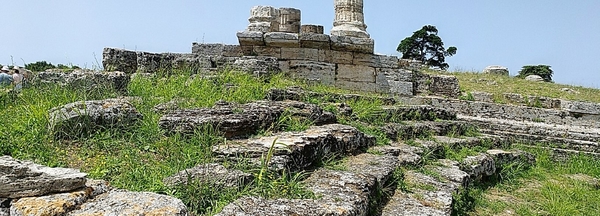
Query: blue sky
<point x="512" y="33"/>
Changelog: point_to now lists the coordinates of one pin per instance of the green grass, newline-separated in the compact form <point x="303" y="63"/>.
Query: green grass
<point x="547" y="188"/>
<point x="498" y="85"/>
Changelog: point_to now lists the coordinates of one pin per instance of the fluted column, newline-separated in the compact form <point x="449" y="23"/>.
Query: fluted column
<point x="349" y="19"/>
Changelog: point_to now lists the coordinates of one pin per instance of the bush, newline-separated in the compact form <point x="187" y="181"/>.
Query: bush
<point x="543" y="71"/>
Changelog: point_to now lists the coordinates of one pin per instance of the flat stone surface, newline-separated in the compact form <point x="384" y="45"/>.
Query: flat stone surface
<point x="213" y="173"/>
<point x="235" y="120"/>
<point x="83" y="117"/>
<point x="478" y="166"/>
<point x="308" y="54"/>
<point x="319" y="72"/>
<point x="282" y="39"/>
<point x="251" y="38"/>
<point x="257" y="65"/>
<point x="315" y="41"/>
<point x="25" y="179"/>
<point x="132" y="203"/>
<point x="352" y="44"/>
<point x="417" y="129"/>
<point x="381" y="167"/>
<point x="451" y="171"/>
<point x="114" y="59"/>
<point x="337" y="57"/>
<point x="355" y="73"/>
<point x="374" y="60"/>
<point x="251" y="206"/>
<point x="60" y="203"/>
<point x="298" y="150"/>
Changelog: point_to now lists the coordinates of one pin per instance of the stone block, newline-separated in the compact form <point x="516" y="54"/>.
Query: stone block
<point x="300" y="54"/>
<point x="266" y="51"/>
<point x="319" y="72"/>
<point x="251" y="38"/>
<point x="496" y="69"/>
<point x="394" y="74"/>
<point x="337" y="57"/>
<point x="357" y="86"/>
<point x="580" y="107"/>
<point x="289" y="20"/>
<point x="264" y="19"/>
<point x="282" y="39"/>
<point x="119" y="60"/>
<point x="284" y="66"/>
<point x="400" y="88"/>
<point x="378" y="61"/>
<point x="317" y="41"/>
<point x="207" y="49"/>
<point x="152" y="62"/>
<point x="193" y="62"/>
<point x="314" y="29"/>
<point x="232" y="51"/>
<point x="352" y="44"/>
<point x="355" y="73"/>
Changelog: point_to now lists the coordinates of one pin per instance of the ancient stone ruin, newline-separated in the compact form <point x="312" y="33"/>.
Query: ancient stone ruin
<point x="276" y="41"/>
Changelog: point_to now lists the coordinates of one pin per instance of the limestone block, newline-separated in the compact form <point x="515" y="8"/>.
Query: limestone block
<point x="355" y="73"/>
<point x="534" y="78"/>
<point x="257" y="65"/>
<point x="301" y="54"/>
<point x="317" y="41"/>
<point x="266" y="51"/>
<point x="118" y="202"/>
<point x="25" y="179"/>
<point x="581" y="107"/>
<point x="282" y="39"/>
<point x="357" y="86"/>
<point x="212" y="174"/>
<point x="289" y="20"/>
<point x="217" y="50"/>
<point x="152" y="62"/>
<point x="84" y="117"/>
<point x="352" y="44"/>
<point x="188" y="61"/>
<point x="337" y="57"/>
<point x="114" y="59"/>
<point x="478" y="166"/>
<point x="84" y="80"/>
<point x="482" y="96"/>
<point x="496" y="69"/>
<point x="378" y="61"/>
<point x="264" y="19"/>
<point x="400" y="88"/>
<point x="394" y="75"/>
<point x="251" y="38"/>
<point x="319" y="72"/>
<point x="315" y="29"/>
<point x="284" y="66"/>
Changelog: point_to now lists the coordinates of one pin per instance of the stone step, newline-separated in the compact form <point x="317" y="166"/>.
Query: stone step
<point x="554" y="142"/>
<point x="297" y="150"/>
<point x="427" y="196"/>
<point x="536" y="128"/>
<point x="235" y="120"/>
<point x="349" y="192"/>
<point x="561" y="154"/>
<point x="297" y="93"/>
<point x="411" y="130"/>
<point x="416" y="113"/>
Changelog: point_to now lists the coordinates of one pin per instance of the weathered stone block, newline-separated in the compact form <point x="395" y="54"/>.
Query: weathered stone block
<point x="378" y="61"/>
<point x="266" y="51"/>
<point x="300" y="54"/>
<point x="394" y="74"/>
<point x="85" y="80"/>
<point x="358" y="86"/>
<point x="83" y="117"/>
<point x="317" y="41"/>
<point x="119" y="60"/>
<point x="314" y="29"/>
<point x="289" y="20"/>
<point x="193" y="62"/>
<point x="319" y="72"/>
<point x="441" y="85"/>
<point x="352" y="44"/>
<point x="152" y="62"/>
<point x="496" y="69"/>
<point x="217" y="50"/>
<point x="25" y="179"/>
<point x="337" y="57"/>
<point x="251" y="38"/>
<point x="355" y="73"/>
<point x="282" y="39"/>
<point x="400" y="88"/>
<point x="257" y="65"/>
<point x="580" y="107"/>
<point x="118" y="202"/>
<point x="210" y="174"/>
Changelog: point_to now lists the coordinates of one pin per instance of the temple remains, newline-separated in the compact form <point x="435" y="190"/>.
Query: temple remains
<point x="275" y="40"/>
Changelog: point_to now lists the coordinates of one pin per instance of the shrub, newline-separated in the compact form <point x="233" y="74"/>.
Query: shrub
<point x="543" y="71"/>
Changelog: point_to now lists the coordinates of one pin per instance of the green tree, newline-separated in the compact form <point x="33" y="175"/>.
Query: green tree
<point x="39" y="66"/>
<point x="543" y="71"/>
<point x="426" y="46"/>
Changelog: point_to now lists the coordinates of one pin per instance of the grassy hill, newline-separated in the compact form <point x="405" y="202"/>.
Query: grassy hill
<point x="140" y="159"/>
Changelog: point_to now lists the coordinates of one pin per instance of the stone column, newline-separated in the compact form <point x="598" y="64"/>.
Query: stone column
<point x="349" y="19"/>
<point x="289" y="20"/>
<point x="263" y="19"/>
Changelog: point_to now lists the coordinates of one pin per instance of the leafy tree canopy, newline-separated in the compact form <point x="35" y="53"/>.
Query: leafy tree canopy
<point x="426" y="46"/>
<point x="543" y="71"/>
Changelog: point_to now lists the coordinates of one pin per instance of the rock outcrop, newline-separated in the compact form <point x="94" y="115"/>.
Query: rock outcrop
<point x="84" y="117"/>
